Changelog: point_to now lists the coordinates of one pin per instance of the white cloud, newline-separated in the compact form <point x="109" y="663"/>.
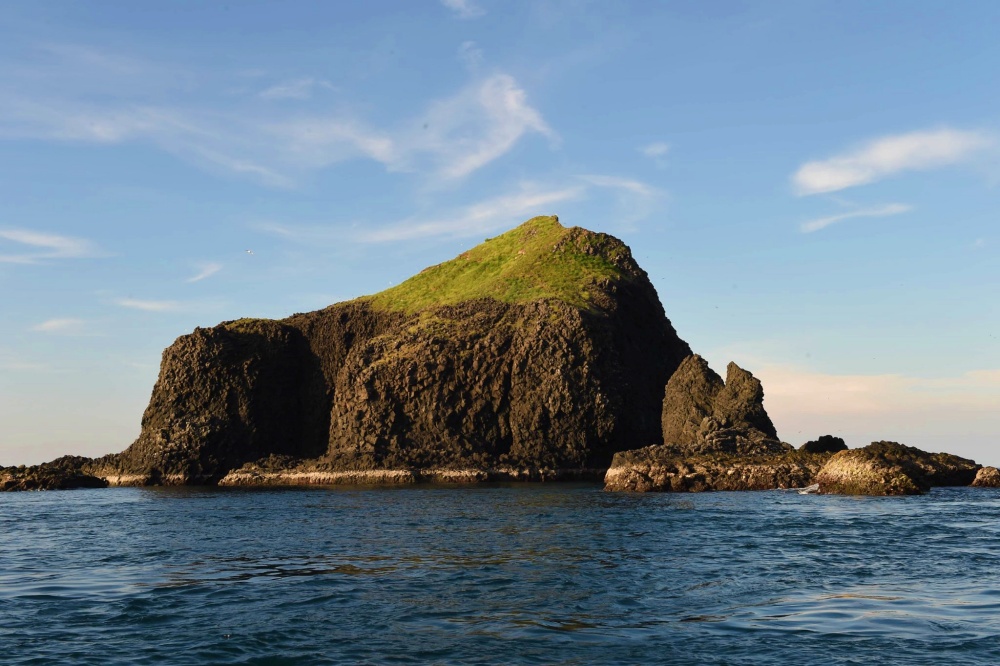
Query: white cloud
<point x="887" y="156"/>
<point x="470" y="55"/>
<point x="465" y="9"/>
<point x="478" y="219"/>
<point x="481" y="123"/>
<point x="205" y="270"/>
<point x="879" y="211"/>
<point x="656" y="151"/>
<point x="315" y="143"/>
<point x="148" y="306"/>
<point x="43" y="246"/>
<point x="455" y="135"/>
<point x="635" y="199"/>
<point x="627" y="184"/>
<point x="299" y="89"/>
<point x="67" y="326"/>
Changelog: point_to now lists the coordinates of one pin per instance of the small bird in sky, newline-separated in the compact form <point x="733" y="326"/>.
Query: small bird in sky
<point x="249" y="251"/>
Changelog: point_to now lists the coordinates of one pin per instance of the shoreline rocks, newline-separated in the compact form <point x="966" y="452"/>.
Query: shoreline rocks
<point x="890" y="468"/>
<point x="662" y="469"/>
<point x="65" y="473"/>
<point x="987" y="477"/>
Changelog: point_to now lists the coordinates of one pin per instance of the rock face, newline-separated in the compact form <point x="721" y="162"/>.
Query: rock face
<point x="890" y="468"/>
<point x="702" y="414"/>
<point x="987" y="477"/>
<point x="662" y="469"/>
<point x="60" y="474"/>
<point x="825" y="444"/>
<point x="543" y="348"/>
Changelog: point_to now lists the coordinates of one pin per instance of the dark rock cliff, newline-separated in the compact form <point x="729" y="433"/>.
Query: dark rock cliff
<point x="557" y="358"/>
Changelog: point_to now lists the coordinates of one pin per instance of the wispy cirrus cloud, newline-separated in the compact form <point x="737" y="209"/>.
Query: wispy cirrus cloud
<point x="466" y="132"/>
<point x="464" y="9"/>
<point x="635" y="199"/>
<point x="477" y="219"/>
<point x="297" y="89"/>
<point x="148" y="305"/>
<point x="877" y="211"/>
<point x="64" y="326"/>
<point x="889" y="155"/>
<point x="455" y="136"/>
<point x="470" y="55"/>
<point x="656" y="151"/>
<point x="33" y="247"/>
<point x="205" y="270"/>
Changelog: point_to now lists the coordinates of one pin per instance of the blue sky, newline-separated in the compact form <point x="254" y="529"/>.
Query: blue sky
<point x="811" y="185"/>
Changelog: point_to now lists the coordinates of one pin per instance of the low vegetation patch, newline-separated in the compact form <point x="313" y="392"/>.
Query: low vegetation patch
<point x="541" y="259"/>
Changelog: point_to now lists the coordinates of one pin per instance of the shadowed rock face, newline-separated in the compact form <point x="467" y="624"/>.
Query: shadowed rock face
<point x="702" y="414"/>
<point x="563" y="380"/>
<point x="825" y="444"/>
<point x="227" y="395"/>
<point x="60" y="474"/>
<point x="890" y="468"/>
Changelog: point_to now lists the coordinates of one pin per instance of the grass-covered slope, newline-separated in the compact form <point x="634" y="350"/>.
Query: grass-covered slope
<point x="541" y="259"/>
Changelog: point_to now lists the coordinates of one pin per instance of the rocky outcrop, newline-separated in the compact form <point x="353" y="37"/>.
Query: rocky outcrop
<point x="543" y="349"/>
<point x="987" y="477"/>
<point x="825" y="444"/>
<point x="662" y="469"/>
<point x="703" y="415"/>
<point x="226" y="395"/>
<point x="61" y="474"/>
<point x="890" y="468"/>
<point x="282" y="471"/>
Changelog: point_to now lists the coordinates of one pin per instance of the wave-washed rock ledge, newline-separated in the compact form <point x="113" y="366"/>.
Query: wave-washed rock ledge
<point x="260" y="477"/>
<point x="663" y="469"/>
<point x="881" y="468"/>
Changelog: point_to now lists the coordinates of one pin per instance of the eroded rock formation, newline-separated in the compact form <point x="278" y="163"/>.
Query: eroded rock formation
<point x="703" y="415"/>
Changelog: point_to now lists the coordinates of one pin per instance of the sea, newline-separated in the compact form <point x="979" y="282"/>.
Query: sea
<point x="505" y="574"/>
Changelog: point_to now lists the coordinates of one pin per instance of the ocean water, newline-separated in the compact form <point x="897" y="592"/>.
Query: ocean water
<point x="546" y="574"/>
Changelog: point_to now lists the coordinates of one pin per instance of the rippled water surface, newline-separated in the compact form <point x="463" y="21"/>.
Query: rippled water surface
<point x="554" y="574"/>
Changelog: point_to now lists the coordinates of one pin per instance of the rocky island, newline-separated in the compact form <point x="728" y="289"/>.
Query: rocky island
<point x="541" y="354"/>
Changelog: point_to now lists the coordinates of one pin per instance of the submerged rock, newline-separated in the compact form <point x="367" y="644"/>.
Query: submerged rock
<point x="825" y="444"/>
<point x="702" y="414"/>
<point x="890" y="468"/>
<point x="987" y="477"/>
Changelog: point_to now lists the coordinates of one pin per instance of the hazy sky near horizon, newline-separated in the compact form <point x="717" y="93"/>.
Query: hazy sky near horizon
<point x="812" y="186"/>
